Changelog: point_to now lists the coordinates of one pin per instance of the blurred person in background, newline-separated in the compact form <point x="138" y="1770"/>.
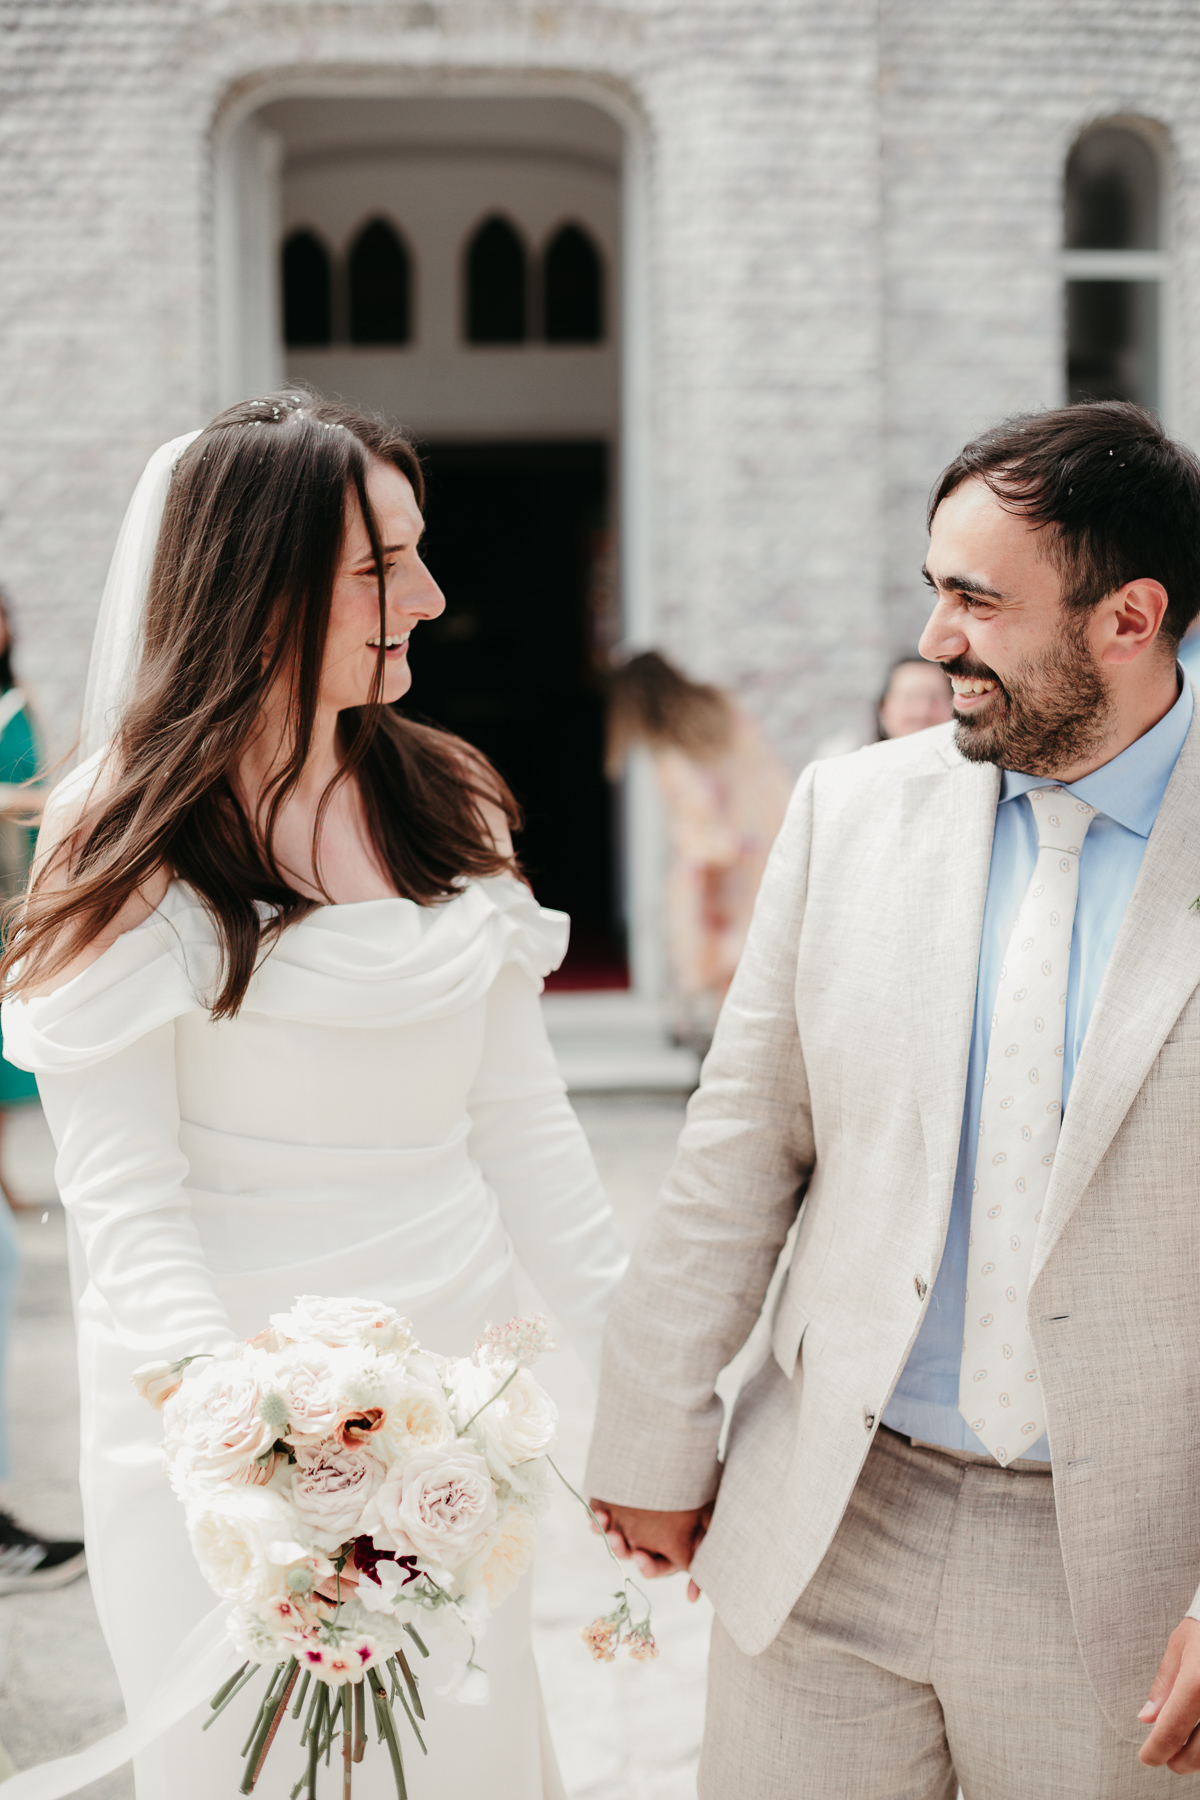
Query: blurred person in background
<point x="20" y="810"/>
<point x="725" y="793"/>
<point x="27" y="1562"/>
<point x="916" y="695"/>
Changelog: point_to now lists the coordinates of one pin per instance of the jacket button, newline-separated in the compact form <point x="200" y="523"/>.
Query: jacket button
<point x="868" y="1419"/>
<point x="921" y="1286"/>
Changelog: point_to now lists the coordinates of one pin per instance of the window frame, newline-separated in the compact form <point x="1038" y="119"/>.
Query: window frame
<point x="1127" y="265"/>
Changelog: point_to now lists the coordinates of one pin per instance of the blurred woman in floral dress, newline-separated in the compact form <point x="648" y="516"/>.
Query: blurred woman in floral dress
<point x="725" y="792"/>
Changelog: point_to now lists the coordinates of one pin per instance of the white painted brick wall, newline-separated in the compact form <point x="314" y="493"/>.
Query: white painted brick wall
<point x="853" y="215"/>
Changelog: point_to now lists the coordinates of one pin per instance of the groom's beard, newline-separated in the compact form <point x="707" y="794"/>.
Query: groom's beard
<point x="1049" y="713"/>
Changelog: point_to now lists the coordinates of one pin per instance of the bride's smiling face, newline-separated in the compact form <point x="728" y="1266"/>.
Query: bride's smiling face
<point x="352" y="640"/>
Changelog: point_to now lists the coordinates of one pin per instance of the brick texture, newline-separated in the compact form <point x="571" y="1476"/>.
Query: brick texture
<point x="852" y="218"/>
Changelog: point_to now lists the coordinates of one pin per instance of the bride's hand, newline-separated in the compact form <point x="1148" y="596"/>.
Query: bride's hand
<point x="660" y="1543"/>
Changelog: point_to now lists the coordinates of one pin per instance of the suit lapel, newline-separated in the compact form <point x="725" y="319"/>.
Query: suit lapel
<point x="948" y="818"/>
<point x="1152" y="973"/>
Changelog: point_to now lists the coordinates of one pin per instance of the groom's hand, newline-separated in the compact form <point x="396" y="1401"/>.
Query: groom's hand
<point x="660" y="1543"/>
<point x="1174" y="1704"/>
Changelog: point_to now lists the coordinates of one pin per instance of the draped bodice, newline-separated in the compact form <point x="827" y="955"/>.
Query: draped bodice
<point x="327" y="1122"/>
<point x="373" y="965"/>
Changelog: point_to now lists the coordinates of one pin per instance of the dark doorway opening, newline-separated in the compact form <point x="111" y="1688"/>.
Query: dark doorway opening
<point x="518" y="539"/>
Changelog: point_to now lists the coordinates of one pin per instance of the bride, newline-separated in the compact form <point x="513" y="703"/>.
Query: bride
<point x="278" y="977"/>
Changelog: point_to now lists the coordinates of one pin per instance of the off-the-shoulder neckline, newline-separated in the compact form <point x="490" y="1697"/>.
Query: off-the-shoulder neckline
<point x="182" y="890"/>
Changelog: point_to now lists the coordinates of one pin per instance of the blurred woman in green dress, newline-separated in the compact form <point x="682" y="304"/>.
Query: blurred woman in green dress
<point x="20" y="810"/>
<point x="28" y="1562"/>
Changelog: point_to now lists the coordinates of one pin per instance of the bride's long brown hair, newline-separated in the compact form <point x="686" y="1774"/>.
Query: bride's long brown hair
<point x="239" y="598"/>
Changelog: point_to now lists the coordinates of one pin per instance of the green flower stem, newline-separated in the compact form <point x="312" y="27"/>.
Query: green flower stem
<point x="389" y="1730"/>
<point x="304" y="1685"/>
<point x="347" y="1742"/>
<point x="412" y="1721"/>
<point x="378" y="1710"/>
<point x="360" y="1720"/>
<point x="279" y="1692"/>
<point x="331" y="1727"/>
<point x="263" y="1705"/>
<point x="410" y="1682"/>
<point x="627" y="1581"/>
<point x="226" y="1688"/>
<point x="412" y="1632"/>
<point x="487" y="1403"/>
<point x="399" y="1694"/>
<point x="314" y="1738"/>
<point x="310" y="1715"/>
<point x="282" y="1697"/>
<point x="232" y="1694"/>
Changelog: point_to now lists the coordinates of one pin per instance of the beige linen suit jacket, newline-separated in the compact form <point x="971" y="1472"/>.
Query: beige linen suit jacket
<point x="835" y="1086"/>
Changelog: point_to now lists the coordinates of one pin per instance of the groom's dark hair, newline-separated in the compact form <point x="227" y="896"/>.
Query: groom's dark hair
<point x="1119" y="497"/>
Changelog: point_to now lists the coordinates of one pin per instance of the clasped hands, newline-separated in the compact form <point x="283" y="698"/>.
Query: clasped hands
<point x="659" y="1543"/>
<point x="663" y="1543"/>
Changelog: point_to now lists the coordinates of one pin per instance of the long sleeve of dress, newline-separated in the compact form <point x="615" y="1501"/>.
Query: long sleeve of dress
<point x="120" y="1172"/>
<point x="533" y="1152"/>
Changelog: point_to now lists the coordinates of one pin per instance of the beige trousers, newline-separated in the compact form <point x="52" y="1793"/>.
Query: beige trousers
<point x="934" y="1647"/>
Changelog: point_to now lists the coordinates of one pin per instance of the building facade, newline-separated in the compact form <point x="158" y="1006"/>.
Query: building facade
<point x="825" y="244"/>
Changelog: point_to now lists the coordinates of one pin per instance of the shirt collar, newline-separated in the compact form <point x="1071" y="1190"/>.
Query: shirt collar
<point x="1130" y="788"/>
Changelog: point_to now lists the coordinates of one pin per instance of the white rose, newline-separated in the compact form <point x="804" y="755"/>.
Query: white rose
<point x="439" y="1506"/>
<point x="214" y="1425"/>
<point x="236" y="1538"/>
<point x="516" y="1427"/>
<point x="331" y="1485"/>
<point x="340" y="1322"/>
<point x="499" y="1567"/>
<point x="310" y="1384"/>
<point x="415" y="1415"/>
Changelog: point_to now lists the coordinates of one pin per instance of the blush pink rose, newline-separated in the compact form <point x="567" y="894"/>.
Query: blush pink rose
<point x="331" y="1485"/>
<point x="214" y="1427"/>
<point x="439" y="1505"/>
<point x="310" y="1386"/>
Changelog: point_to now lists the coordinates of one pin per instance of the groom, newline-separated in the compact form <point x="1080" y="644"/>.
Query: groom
<point x="958" y="1518"/>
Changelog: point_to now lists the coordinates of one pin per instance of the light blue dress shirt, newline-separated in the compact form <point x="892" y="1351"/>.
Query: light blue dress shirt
<point x="1189" y="655"/>
<point x="1126" y="793"/>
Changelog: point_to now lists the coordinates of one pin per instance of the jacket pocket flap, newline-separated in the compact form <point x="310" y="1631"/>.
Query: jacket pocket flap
<point x="787" y="1333"/>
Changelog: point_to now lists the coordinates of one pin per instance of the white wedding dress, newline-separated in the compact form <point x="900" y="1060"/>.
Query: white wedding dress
<point x="383" y="1117"/>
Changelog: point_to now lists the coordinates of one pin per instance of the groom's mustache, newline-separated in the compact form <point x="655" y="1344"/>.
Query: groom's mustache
<point x="967" y="670"/>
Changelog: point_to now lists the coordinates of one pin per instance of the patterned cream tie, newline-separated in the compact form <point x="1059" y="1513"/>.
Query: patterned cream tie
<point x="999" y="1394"/>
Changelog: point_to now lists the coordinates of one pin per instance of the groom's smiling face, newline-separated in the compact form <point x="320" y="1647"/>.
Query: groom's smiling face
<point x="1030" y="692"/>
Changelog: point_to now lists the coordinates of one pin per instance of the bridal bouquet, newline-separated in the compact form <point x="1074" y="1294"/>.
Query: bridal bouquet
<point x="354" y="1496"/>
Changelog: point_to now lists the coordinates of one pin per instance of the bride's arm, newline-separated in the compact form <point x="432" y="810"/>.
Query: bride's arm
<point x="120" y="1172"/>
<point x="533" y="1152"/>
<point x="110" y="1097"/>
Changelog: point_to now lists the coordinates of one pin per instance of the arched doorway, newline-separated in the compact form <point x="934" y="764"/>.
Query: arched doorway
<point x="493" y="225"/>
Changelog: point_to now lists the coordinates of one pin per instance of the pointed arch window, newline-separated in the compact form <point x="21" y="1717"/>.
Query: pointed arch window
<point x="1114" y="266"/>
<point x="307" y="290"/>
<point x="380" y="271"/>
<point x="497" y="285"/>
<point x="573" y="288"/>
